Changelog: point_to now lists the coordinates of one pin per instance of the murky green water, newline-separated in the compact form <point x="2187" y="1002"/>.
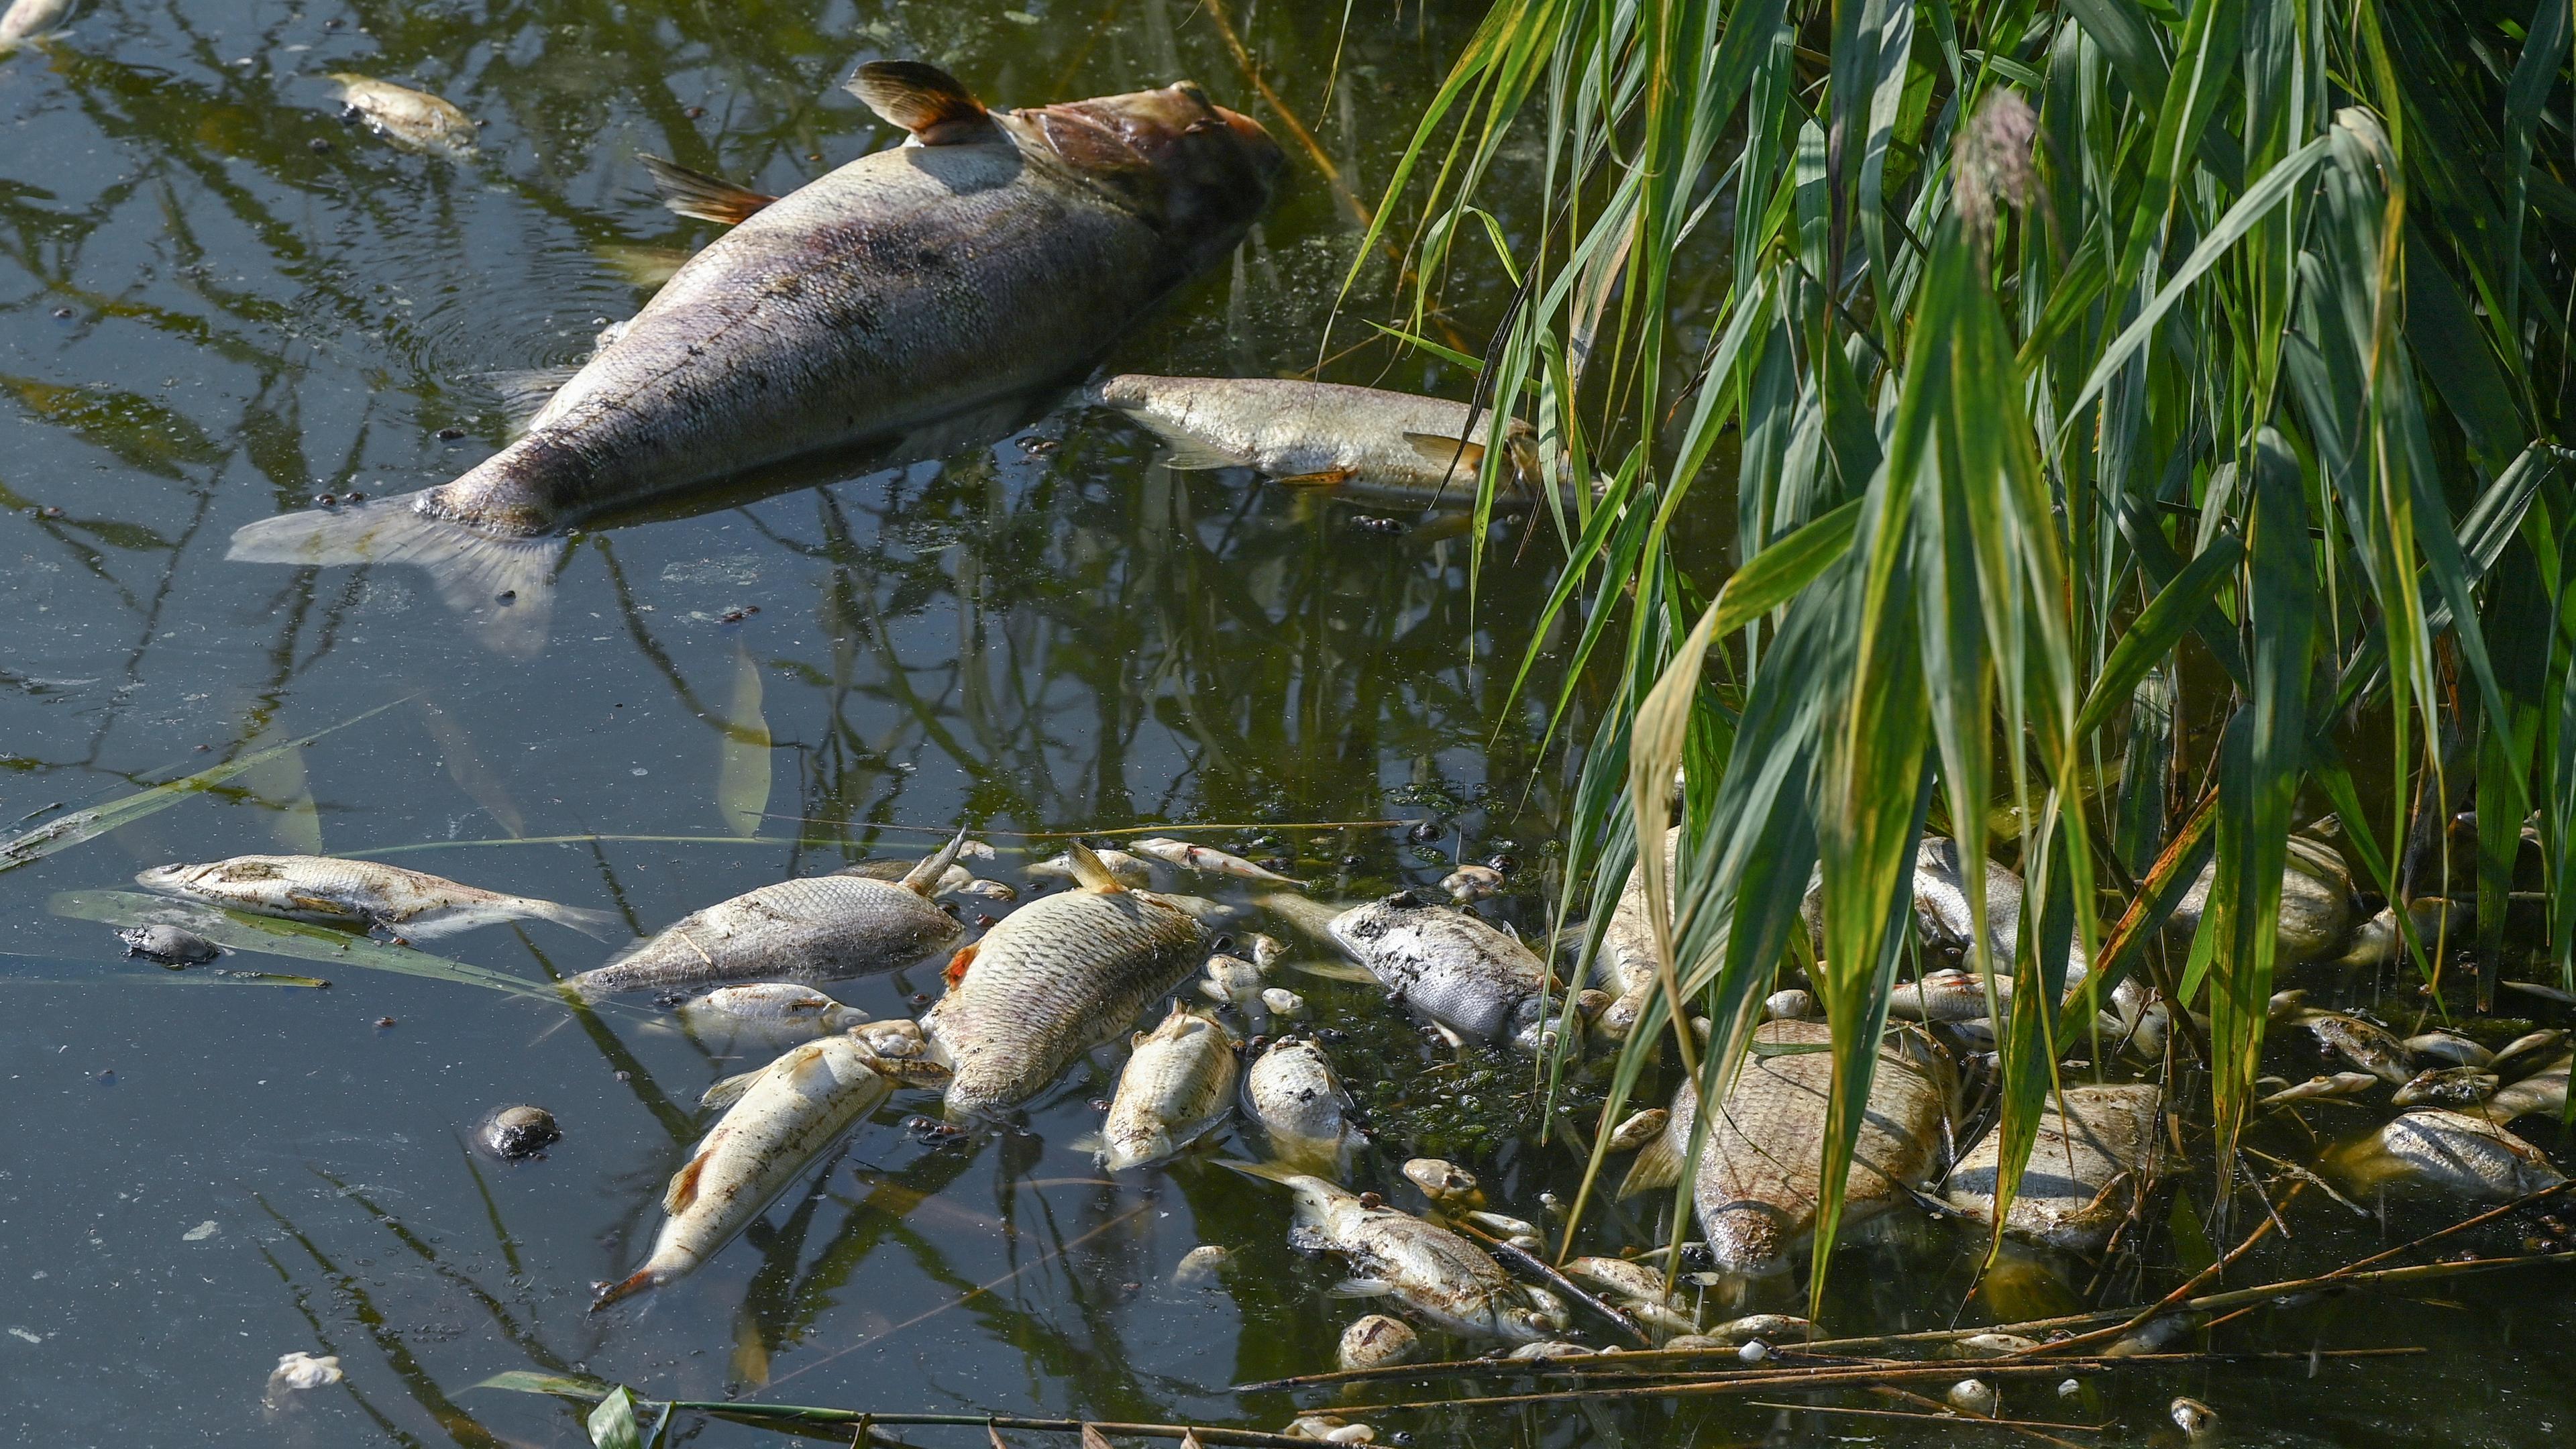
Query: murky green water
<point x="217" y="301"/>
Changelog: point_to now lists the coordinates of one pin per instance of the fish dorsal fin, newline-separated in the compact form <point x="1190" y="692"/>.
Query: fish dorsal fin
<point x="684" y="1183"/>
<point x="923" y="99"/>
<point x="1656" y="1165"/>
<point x="1467" y="456"/>
<point x="1091" y="872"/>
<point x="923" y="879"/>
<point x="695" y="193"/>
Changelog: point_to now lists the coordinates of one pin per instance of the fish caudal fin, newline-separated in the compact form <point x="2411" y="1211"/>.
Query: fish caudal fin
<point x="923" y="879"/>
<point x="929" y="102"/>
<point x="598" y="925"/>
<point x="695" y="193"/>
<point x="643" y="1279"/>
<point x="503" y="586"/>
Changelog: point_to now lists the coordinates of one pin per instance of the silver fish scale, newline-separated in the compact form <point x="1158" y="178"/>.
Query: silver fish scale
<point x="1449" y="966"/>
<point x="1056" y="978"/>
<point x="821" y="928"/>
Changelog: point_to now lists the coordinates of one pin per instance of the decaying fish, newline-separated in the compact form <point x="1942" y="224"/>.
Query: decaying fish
<point x="1619" y="1278"/>
<point x="2461" y="1087"/>
<point x="2364" y="1044"/>
<point x="953" y="880"/>
<point x="2543" y="1091"/>
<point x="1283" y="1003"/>
<point x="1793" y="1004"/>
<point x="1267" y="951"/>
<point x="1639" y="1129"/>
<point x="1292" y="1094"/>
<point x="30" y="20"/>
<point x="1762" y="1162"/>
<point x="1209" y="861"/>
<point x="1237" y="983"/>
<point x="992" y="254"/>
<point x="1201" y="1265"/>
<point x="2438" y="1151"/>
<point x="1442" y="1277"/>
<point x="817" y="928"/>
<point x="1471" y="883"/>
<point x="1056" y="978"/>
<point x="2087" y="1164"/>
<point x="1626" y="964"/>
<point x="784" y="1116"/>
<point x="2316" y="902"/>
<point x="2323" y="1087"/>
<point x="2446" y="1048"/>
<point x="360" y="893"/>
<point x="2525" y="1054"/>
<point x="169" y="945"/>
<point x="1361" y="443"/>
<point x="407" y="117"/>
<point x="1177" y="1085"/>
<point x="1449" y="967"/>
<point x="1128" y="870"/>
<point x="782" y="1007"/>
<point x="1376" y="1341"/>
<point x="1765" y="1328"/>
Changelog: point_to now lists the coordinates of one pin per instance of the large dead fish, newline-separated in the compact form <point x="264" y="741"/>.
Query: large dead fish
<point x="362" y="893"/>
<point x="1056" y="978"/>
<point x="1362" y="443"/>
<point x="2087" y="1164"/>
<point x="819" y="928"/>
<point x="781" y="1118"/>
<point x="1449" y="967"/>
<point x="1178" y="1084"/>
<point x="2432" y="1150"/>
<point x="1763" y="1161"/>
<point x="2317" y="912"/>
<point x="991" y="254"/>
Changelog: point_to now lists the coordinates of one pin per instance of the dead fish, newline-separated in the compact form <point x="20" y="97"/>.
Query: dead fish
<point x="31" y="20"/>
<point x="978" y="888"/>
<point x="1766" y="1328"/>
<point x="2525" y="1053"/>
<point x="1626" y="965"/>
<point x="991" y="254"/>
<point x="1640" y="1129"/>
<point x="1361" y="443"/>
<point x="1471" y="883"/>
<point x="1790" y="1005"/>
<point x="1293" y="1095"/>
<point x="169" y="945"/>
<point x="1460" y="973"/>
<point x="1442" y="1277"/>
<point x="2364" y="1044"/>
<point x="1554" y="1348"/>
<point x="1281" y="1002"/>
<point x="406" y="117"/>
<point x="1267" y="951"/>
<point x="2338" y="1085"/>
<point x="360" y="893"/>
<point x="2316" y="914"/>
<point x="2092" y="1151"/>
<point x="1237" y="983"/>
<point x="1201" y="1265"/>
<point x="1328" y="1429"/>
<point x="781" y="1118"/>
<point x="1619" y="1278"/>
<point x="2542" y="1091"/>
<point x="2447" y="1047"/>
<point x="1972" y="1397"/>
<point x="1376" y="1341"/>
<point x="2545" y="993"/>
<point x="1448" y="1186"/>
<point x="1947" y="995"/>
<point x="1992" y="1345"/>
<point x="779" y="1006"/>
<point x="898" y="1037"/>
<point x="2434" y="1150"/>
<point x="2197" y="1421"/>
<point x="818" y="928"/>
<point x="1208" y="861"/>
<point x="1762" y="1162"/>
<point x="1056" y="978"/>
<point x="1128" y="870"/>
<point x="2447" y="1087"/>
<point x="1176" y="1087"/>
<point x="513" y="1133"/>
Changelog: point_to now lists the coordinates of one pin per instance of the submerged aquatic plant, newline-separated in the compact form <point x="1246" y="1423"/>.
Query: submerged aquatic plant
<point x="2145" y="431"/>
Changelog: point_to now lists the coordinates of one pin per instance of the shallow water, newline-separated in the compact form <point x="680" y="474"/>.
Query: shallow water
<point x="216" y="301"/>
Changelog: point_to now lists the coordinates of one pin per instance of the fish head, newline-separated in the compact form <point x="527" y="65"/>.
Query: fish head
<point x="1194" y="170"/>
<point x="163" y="877"/>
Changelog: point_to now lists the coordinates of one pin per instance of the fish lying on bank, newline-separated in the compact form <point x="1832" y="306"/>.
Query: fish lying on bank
<point x="31" y="20"/>
<point x="1128" y="870"/>
<point x="784" y="1116"/>
<point x="406" y="117"/>
<point x="1361" y="443"/>
<point x="1292" y="1094"/>
<point x="1178" y="1084"/>
<point x="992" y="254"/>
<point x="2438" y="1151"/>
<point x="817" y="928"/>
<point x="362" y="893"/>
<point x="1448" y="967"/>
<point x="782" y="1007"/>
<point x="1443" y="1278"/>
<point x="1056" y="978"/>
<point x="2086" y="1166"/>
<point x="1762" y="1163"/>
<point x="1207" y="860"/>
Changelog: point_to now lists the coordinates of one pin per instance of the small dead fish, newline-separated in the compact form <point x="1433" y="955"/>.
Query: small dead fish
<point x="2545" y="993"/>
<point x="1553" y="1348"/>
<point x="30" y="20"/>
<point x="1973" y="1397"/>
<point x="359" y="893"/>
<point x="169" y="945"/>
<point x="1177" y="1085"/>
<point x="1501" y="1225"/>
<point x="1765" y="1327"/>
<point x="2525" y="1052"/>
<point x="899" y="1037"/>
<point x="1947" y="995"/>
<point x="1209" y="861"/>
<point x="1640" y="1129"/>
<point x="1236" y="983"/>
<point x="1281" y="1002"/>
<point x="2448" y="1047"/>
<point x="1620" y="1278"/>
<point x="407" y="117"/>
<point x="818" y="928"/>
<point x="2196" y="1420"/>
<point x="780" y="1006"/>
<point x="951" y="880"/>
<point x="1626" y="965"/>
<point x="1472" y="883"/>
<point x="2340" y="1084"/>
<point x="783" y="1116"/>
<point x="2364" y="1044"/>
<point x="2094" y="1146"/>
<point x="1267" y="952"/>
<point x="1328" y="1429"/>
<point x="1446" y="1184"/>
<point x="2542" y="1091"/>
<point x="1056" y="978"/>
<point x="1293" y="1095"/>
<point x="1201" y="1265"/>
<point x="981" y="889"/>
<point x="1790" y="1005"/>
<point x="2447" y="1087"/>
<point x="1128" y="870"/>
<point x="1445" y="1279"/>
<point x="518" y="1132"/>
<point x="2434" y="1150"/>
<point x="1992" y="1345"/>
<point x="2316" y="913"/>
<point x="1378" y="1340"/>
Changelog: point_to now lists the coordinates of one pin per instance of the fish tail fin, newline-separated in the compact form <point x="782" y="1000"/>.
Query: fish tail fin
<point x="1656" y="1165"/>
<point x="598" y="925"/>
<point x="1092" y="873"/>
<point x="695" y="193"/>
<point x="642" y="1279"/>
<point x="503" y="586"/>
<point x="1310" y="916"/>
<point x="923" y="879"/>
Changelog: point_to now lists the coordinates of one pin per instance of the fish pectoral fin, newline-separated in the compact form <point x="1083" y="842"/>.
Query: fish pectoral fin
<point x="923" y="879"/>
<point x="929" y="102"/>
<point x="1092" y="1142"/>
<point x="695" y="193"/>
<point x="730" y="1090"/>
<point x="1360" y="1288"/>
<point x="1184" y="455"/>
<point x="1088" y="146"/>
<point x="1656" y="1165"/>
<point x="1460" y="454"/>
<point x="684" y="1183"/>
<point x="1326" y="479"/>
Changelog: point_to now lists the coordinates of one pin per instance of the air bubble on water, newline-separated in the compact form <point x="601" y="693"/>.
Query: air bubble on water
<point x="639" y="770"/>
